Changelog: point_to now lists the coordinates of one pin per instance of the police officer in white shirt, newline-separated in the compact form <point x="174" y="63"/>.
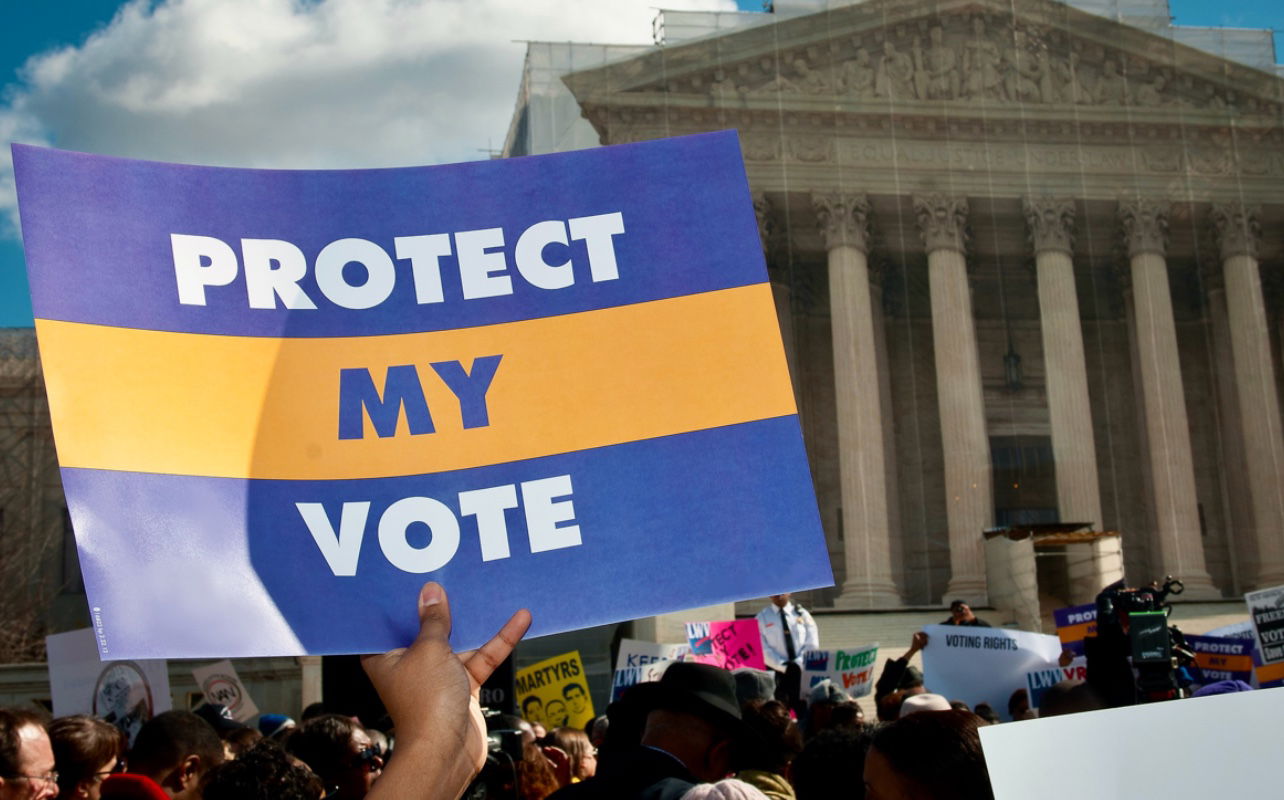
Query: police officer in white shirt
<point x="787" y="630"/>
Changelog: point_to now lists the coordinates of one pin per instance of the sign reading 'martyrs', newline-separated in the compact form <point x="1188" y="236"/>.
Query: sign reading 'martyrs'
<point x="282" y="400"/>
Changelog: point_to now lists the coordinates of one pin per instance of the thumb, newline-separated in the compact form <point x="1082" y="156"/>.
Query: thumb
<point x="434" y="613"/>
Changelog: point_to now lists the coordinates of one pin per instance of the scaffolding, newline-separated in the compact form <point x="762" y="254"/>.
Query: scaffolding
<point x="31" y="503"/>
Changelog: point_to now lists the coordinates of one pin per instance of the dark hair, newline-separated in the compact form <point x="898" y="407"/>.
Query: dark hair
<point x="13" y="720"/>
<point x="81" y="745"/>
<point x="242" y="740"/>
<point x="939" y="751"/>
<point x="322" y="743"/>
<point x="568" y="687"/>
<point x="1069" y="697"/>
<point x="830" y="766"/>
<point x="771" y="738"/>
<point x="168" y="738"/>
<point x="848" y="715"/>
<point x="986" y="712"/>
<point x="263" y="772"/>
<point x="531" y="699"/>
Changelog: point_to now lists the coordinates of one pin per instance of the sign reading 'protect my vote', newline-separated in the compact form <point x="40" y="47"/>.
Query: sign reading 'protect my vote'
<point x="283" y="400"/>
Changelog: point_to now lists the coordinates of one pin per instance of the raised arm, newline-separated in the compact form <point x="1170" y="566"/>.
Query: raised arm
<point x="432" y="695"/>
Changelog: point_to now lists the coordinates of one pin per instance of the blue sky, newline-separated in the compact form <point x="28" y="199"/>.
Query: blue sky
<point x="31" y="27"/>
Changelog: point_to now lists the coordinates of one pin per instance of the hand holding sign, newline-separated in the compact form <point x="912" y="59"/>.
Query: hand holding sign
<point x="432" y="695"/>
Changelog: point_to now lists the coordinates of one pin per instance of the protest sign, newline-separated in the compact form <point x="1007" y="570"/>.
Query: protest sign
<point x="639" y="662"/>
<point x="220" y="684"/>
<point x="984" y="665"/>
<point x="125" y="693"/>
<point x="1039" y="681"/>
<point x="1270" y="676"/>
<point x="554" y="692"/>
<point x="1221" y="659"/>
<point x="1236" y="630"/>
<point x="284" y="400"/>
<point x="1266" y="611"/>
<point x="729" y="644"/>
<point x="1218" y="746"/>
<point x="1073" y="624"/>
<point x="850" y="669"/>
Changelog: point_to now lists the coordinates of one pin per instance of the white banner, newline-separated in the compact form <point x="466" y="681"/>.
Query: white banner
<point x="850" y="669"/>
<point x="125" y="693"/>
<point x="640" y="662"/>
<point x="984" y="665"/>
<point x="220" y="684"/>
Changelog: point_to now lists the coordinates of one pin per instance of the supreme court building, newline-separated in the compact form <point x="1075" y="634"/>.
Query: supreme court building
<point x="1028" y="259"/>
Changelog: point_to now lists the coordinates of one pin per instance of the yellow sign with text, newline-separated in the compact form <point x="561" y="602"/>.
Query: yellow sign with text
<point x="554" y="692"/>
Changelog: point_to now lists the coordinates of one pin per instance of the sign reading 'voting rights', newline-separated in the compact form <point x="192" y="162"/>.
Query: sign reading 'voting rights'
<point x="283" y="400"/>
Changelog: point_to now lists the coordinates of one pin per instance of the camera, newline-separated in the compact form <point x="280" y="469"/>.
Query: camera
<point x="1136" y="656"/>
<point x="498" y="777"/>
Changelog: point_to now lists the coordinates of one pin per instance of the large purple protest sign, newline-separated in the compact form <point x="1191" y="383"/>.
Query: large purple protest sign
<point x="284" y="400"/>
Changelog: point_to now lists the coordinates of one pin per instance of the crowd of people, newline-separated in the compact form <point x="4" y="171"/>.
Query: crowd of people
<point x="698" y="732"/>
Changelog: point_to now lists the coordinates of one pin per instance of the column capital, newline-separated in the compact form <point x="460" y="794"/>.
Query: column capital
<point x="1051" y="223"/>
<point x="1145" y="225"/>
<point x="763" y="211"/>
<point x="1237" y="228"/>
<point x="843" y="218"/>
<point x="942" y="220"/>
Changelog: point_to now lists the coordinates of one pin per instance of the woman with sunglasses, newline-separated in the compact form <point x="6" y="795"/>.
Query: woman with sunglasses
<point x="340" y="752"/>
<point x="86" y="750"/>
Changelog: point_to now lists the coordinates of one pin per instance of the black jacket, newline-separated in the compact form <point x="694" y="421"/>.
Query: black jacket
<point x="639" y="774"/>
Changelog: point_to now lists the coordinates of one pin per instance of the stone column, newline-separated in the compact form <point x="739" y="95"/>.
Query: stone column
<point x="867" y="540"/>
<point x="969" y="494"/>
<point x="1091" y="566"/>
<point x="780" y="291"/>
<point x="1237" y="234"/>
<point x="310" y="679"/>
<point x="1241" y="549"/>
<point x="1181" y="552"/>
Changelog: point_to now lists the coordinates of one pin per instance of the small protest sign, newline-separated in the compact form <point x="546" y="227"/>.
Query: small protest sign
<point x="1073" y="624"/>
<point x="1039" y="681"/>
<point x="345" y="383"/>
<point x="1221" y="659"/>
<point x="640" y="662"/>
<point x="984" y="665"/>
<point x="728" y="643"/>
<point x="1266" y="611"/>
<point x="554" y="692"/>
<point x="850" y="669"/>
<point x="125" y="693"/>
<point x="220" y="684"/>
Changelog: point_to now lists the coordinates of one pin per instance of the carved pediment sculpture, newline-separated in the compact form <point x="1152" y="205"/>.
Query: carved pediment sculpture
<point x="1036" y="53"/>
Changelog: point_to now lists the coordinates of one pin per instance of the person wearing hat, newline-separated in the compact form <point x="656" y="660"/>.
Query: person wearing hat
<point x="689" y="720"/>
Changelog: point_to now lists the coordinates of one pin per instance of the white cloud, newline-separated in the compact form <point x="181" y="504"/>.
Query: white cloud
<point x="301" y="83"/>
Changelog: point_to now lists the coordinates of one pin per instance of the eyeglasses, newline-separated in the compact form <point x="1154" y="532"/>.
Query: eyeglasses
<point x="116" y="769"/>
<point x="366" y="756"/>
<point x="51" y="778"/>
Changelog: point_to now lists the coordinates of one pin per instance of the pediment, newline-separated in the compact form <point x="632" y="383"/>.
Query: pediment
<point x="923" y="55"/>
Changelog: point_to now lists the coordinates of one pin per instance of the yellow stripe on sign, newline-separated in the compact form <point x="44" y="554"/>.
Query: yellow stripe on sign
<point x="1076" y="633"/>
<point x="252" y="407"/>
<point x="1224" y="662"/>
<point x="1270" y="672"/>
